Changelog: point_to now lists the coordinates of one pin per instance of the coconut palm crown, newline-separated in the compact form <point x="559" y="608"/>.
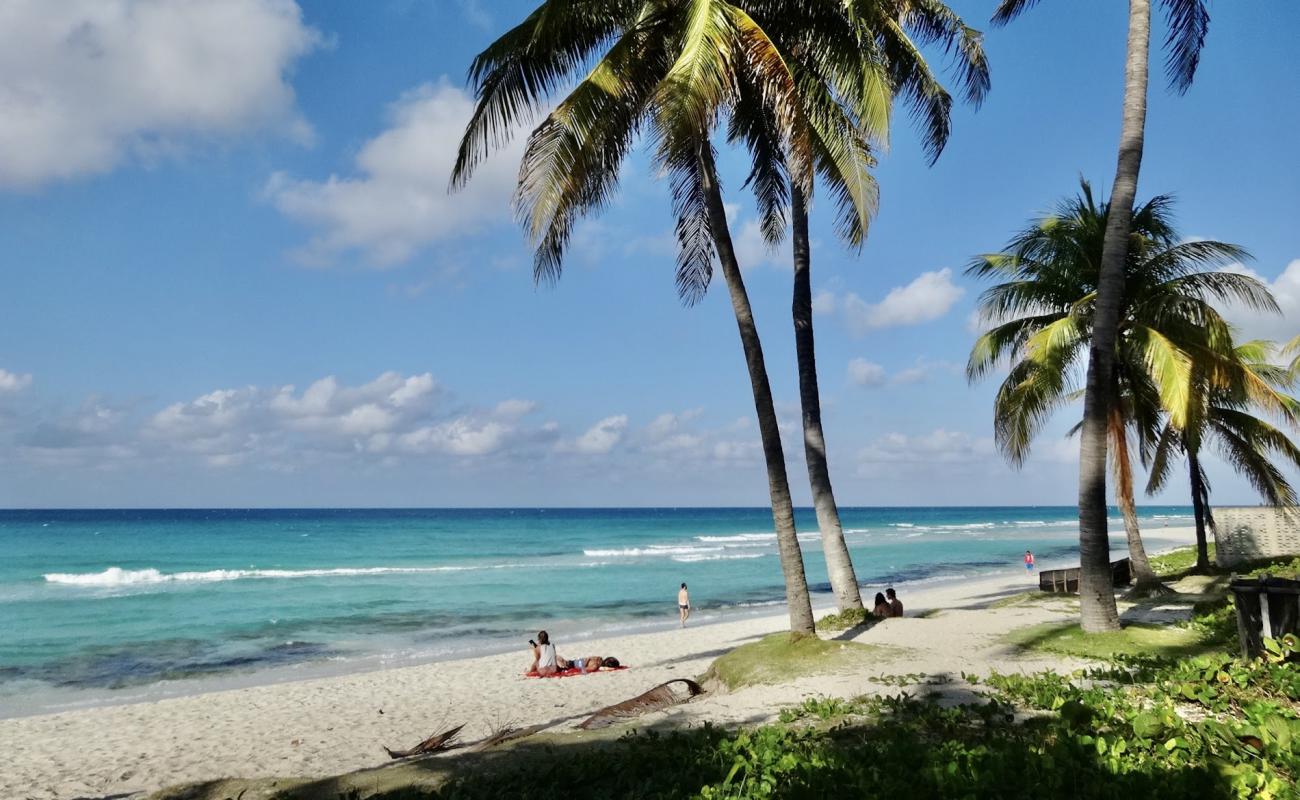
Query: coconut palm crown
<point x="1042" y="316"/>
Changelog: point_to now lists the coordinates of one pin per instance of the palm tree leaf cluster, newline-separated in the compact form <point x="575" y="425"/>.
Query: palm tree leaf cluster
<point x="806" y="87"/>
<point x="1179" y="379"/>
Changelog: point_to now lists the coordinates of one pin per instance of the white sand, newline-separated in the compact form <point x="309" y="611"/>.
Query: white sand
<point x="334" y="725"/>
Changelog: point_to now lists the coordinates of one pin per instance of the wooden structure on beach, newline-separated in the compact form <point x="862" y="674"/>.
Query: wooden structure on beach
<point x="1243" y="534"/>
<point x="1067" y="580"/>
<point x="1266" y="606"/>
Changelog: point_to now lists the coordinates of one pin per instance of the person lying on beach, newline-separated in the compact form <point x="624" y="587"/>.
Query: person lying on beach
<point x="545" y="661"/>
<point x="895" y="605"/>
<point x="593" y="663"/>
<point x="882" y="608"/>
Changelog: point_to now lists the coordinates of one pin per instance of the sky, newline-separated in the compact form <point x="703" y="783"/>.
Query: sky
<point x="232" y="274"/>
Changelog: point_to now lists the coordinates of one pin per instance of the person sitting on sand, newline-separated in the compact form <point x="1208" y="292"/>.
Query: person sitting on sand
<point x="882" y="608"/>
<point x="545" y="661"/>
<point x="895" y="605"/>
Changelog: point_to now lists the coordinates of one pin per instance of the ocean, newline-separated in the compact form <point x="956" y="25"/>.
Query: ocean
<point x="120" y="605"/>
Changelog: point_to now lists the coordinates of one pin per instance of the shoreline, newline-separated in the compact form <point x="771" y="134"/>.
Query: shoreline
<point x="329" y="725"/>
<point x="45" y="700"/>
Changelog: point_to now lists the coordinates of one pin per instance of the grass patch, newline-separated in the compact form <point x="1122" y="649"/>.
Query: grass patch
<point x="782" y="657"/>
<point x="1177" y="563"/>
<point x="848" y="618"/>
<point x="1165" y="641"/>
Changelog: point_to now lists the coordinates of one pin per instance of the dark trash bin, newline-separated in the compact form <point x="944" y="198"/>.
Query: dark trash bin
<point x="1266" y="607"/>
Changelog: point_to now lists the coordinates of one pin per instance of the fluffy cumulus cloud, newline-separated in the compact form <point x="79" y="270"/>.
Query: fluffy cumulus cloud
<point x="387" y="420"/>
<point x="85" y="84"/>
<point x="930" y="296"/>
<point x="602" y="437"/>
<point x="392" y="416"/>
<point x="394" y="420"/>
<point x="1255" y="324"/>
<point x="13" y="382"/>
<point x="397" y="200"/>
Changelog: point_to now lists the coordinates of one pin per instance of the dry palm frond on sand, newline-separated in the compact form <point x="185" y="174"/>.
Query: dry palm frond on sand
<point x="435" y="743"/>
<point x="658" y="698"/>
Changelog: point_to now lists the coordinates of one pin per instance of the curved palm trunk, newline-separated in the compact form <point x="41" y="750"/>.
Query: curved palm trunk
<point x="796" y="585"/>
<point x="839" y="565"/>
<point x="1144" y="578"/>
<point x="1096" y="594"/>
<point x="1200" y="511"/>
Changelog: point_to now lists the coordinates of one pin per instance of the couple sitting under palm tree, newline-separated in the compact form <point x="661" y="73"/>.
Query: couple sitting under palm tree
<point x="887" y="605"/>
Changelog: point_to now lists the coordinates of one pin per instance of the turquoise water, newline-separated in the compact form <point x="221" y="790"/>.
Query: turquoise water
<point x="102" y="604"/>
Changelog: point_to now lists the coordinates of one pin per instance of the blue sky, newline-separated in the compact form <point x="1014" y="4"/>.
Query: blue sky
<point x="232" y="276"/>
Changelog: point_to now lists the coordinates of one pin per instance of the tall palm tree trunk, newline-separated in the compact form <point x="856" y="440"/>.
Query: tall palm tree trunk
<point x="1199" y="511"/>
<point x="1096" y="593"/>
<point x="796" y="584"/>
<point x="839" y="565"/>
<point x="1144" y="578"/>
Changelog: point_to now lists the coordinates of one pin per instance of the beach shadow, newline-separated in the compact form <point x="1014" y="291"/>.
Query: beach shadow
<point x="664" y="760"/>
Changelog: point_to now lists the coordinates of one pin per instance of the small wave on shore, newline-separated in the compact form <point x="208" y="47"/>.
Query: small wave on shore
<point x="116" y="576"/>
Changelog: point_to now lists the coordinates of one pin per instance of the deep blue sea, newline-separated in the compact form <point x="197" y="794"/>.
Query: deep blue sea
<point x="100" y="606"/>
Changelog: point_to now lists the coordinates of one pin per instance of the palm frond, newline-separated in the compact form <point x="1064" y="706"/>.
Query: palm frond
<point x="1170" y="368"/>
<point x="514" y="75"/>
<point x="1008" y="10"/>
<point x="1189" y="22"/>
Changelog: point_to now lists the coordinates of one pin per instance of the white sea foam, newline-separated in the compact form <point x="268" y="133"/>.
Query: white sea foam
<point x="116" y="576"/>
<point x="687" y="559"/>
<point x="651" y="550"/>
<point x="739" y="537"/>
<point x="754" y="539"/>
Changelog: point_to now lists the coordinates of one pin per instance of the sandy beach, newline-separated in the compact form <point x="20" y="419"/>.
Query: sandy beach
<point x="333" y="725"/>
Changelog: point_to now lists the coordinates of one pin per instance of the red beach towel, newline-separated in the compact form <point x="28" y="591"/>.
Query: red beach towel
<point x="572" y="671"/>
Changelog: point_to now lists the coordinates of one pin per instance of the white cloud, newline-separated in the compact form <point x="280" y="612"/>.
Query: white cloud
<point x="1262" y="324"/>
<point x="927" y="298"/>
<point x="603" y="436"/>
<point x="866" y="373"/>
<point x="85" y="84"/>
<point x="11" y="382"/>
<point x="392" y="415"/>
<point x="911" y="375"/>
<point x="937" y="446"/>
<point x="461" y="437"/>
<point x="398" y="201"/>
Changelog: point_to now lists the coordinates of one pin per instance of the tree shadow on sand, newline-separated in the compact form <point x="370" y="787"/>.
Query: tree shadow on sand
<point x="960" y="745"/>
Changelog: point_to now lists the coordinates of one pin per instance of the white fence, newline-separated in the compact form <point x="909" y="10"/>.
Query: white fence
<point x="1249" y="533"/>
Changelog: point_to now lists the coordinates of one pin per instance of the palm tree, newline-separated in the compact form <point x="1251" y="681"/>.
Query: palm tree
<point x="1044" y="317"/>
<point x="1224" y="391"/>
<point x="675" y="69"/>
<point x="860" y="55"/>
<point x="1188" y="24"/>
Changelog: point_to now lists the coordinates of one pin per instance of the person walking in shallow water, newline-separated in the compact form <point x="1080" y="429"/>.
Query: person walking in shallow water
<point x="683" y="604"/>
<point x="1029" y="561"/>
